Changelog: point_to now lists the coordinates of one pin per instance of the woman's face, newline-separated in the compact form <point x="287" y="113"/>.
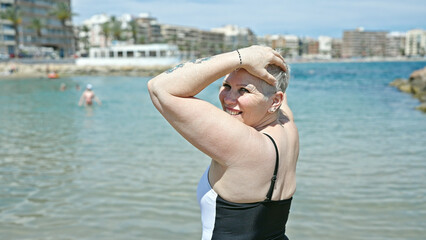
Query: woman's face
<point x="243" y="96"/>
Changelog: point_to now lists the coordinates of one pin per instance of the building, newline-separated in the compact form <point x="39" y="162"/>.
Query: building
<point x="153" y="55"/>
<point x="415" y="43"/>
<point x="39" y="29"/>
<point x="193" y="42"/>
<point x="7" y="32"/>
<point x="149" y="30"/>
<point x="94" y="34"/>
<point x="336" y="48"/>
<point x="360" y="43"/>
<point x="395" y="44"/>
<point x="287" y="44"/>
<point x="325" y="44"/>
<point x="236" y="37"/>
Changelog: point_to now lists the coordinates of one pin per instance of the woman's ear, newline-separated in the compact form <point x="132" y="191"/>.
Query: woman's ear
<point x="277" y="100"/>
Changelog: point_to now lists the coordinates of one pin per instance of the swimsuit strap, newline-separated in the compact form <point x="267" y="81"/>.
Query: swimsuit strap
<point x="274" y="177"/>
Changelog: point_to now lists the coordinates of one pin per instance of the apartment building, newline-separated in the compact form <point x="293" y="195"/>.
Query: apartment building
<point x="50" y="32"/>
<point x="395" y="44"/>
<point x="360" y="43"/>
<point x="336" y="48"/>
<point x="7" y="32"/>
<point x="149" y="30"/>
<point x="288" y="44"/>
<point x="415" y="43"/>
<point x="236" y="37"/>
<point x="193" y="42"/>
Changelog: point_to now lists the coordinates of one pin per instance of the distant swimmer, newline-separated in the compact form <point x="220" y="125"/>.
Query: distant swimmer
<point x="63" y="87"/>
<point x="88" y="96"/>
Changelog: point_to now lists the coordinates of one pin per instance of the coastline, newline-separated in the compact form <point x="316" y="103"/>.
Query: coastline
<point x="415" y="85"/>
<point x="16" y="70"/>
<point x="29" y="68"/>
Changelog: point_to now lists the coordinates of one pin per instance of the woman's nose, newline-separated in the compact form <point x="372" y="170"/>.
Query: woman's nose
<point x="230" y="97"/>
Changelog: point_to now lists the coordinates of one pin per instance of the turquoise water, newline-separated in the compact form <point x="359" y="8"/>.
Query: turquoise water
<point x="119" y="171"/>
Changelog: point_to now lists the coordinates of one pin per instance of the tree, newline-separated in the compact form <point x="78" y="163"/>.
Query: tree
<point x="106" y="32"/>
<point x="85" y="29"/>
<point x="37" y="25"/>
<point x="63" y="13"/>
<point x="133" y="29"/>
<point x="116" y="29"/>
<point x="14" y="15"/>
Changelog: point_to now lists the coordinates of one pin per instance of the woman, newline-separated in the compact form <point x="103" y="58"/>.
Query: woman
<point x="246" y="191"/>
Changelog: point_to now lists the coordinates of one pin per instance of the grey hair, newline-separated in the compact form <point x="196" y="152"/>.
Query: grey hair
<point x="280" y="75"/>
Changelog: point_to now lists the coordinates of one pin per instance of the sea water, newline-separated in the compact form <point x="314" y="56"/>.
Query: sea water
<point x="119" y="171"/>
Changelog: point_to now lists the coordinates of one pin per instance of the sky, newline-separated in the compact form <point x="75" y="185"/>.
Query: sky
<point x="303" y="18"/>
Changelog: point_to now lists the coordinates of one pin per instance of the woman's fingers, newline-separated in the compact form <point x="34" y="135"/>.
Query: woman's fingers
<point x="278" y="55"/>
<point x="279" y="61"/>
<point x="268" y="78"/>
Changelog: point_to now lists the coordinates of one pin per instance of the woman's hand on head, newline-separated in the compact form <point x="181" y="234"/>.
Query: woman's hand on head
<point x="255" y="59"/>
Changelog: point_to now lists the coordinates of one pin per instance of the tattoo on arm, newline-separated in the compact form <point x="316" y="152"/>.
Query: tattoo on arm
<point x="197" y="61"/>
<point x="174" y="68"/>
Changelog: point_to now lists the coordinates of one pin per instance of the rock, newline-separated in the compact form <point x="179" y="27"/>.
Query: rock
<point x="398" y="82"/>
<point x="418" y="81"/>
<point x="415" y="85"/>
<point x="422" y="107"/>
<point x="405" y="88"/>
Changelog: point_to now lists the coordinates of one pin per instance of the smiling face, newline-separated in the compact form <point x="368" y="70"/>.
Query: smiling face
<point x="246" y="98"/>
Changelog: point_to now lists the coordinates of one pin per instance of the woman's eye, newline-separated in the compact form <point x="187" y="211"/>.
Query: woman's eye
<point x="225" y="85"/>
<point x="244" y="90"/>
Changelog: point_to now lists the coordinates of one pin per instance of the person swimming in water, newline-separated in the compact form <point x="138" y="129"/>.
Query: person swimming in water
<point x="88" y="96"/>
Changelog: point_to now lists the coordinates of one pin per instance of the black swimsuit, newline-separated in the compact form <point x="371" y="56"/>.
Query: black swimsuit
<point x="224" y="220"/>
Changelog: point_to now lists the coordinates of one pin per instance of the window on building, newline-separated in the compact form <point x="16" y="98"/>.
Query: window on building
<point x="102" y="54"/>
<point x="152" y="53"/>
<point x="142" y="54"/>
<point x="120" y="54"/>
<point x="130" y="54"/>
<point x="163" y="53"/>
<point x="111" y="54"/>
<point x="9" y="38"/>
<point x="5" y="5"/>
<point x="7" y="27"/>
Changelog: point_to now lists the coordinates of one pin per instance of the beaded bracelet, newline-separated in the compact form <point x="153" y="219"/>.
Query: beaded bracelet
<point x="239" y="55"/>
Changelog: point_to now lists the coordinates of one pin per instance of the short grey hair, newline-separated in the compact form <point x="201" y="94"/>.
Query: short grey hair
<point x="280" y="75"/>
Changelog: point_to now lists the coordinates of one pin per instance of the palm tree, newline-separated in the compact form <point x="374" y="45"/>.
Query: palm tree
<point x="85" y="29"/>
<point x="116" y="28"/>
<point x="37" y="25"/>
<point x="133" y="29"/>
<point x="14" y="15"/>
<point x="63" y="13"/>
<point x="106" y="32"/>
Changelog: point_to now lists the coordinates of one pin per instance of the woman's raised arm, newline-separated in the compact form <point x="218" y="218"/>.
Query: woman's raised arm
<point x="205" y="126"/>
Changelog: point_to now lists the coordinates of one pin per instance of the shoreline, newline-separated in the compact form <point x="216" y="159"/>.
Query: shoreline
<point x="16" y="70"/>
<point x="33" y="68"/>
<point x="415" y="85"/>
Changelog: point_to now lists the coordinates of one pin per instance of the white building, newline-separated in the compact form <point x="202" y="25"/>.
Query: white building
<point x="95" y="36"/>
<point x="236" y="37"/>
<point x="288" y="44"/>
<point x="154" y="55"/>
<point x="415" y="43"/>
<point x="325" y="44"/>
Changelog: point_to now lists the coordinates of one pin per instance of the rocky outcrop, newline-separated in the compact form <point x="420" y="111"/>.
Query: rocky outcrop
<point x="414" y="85"/>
